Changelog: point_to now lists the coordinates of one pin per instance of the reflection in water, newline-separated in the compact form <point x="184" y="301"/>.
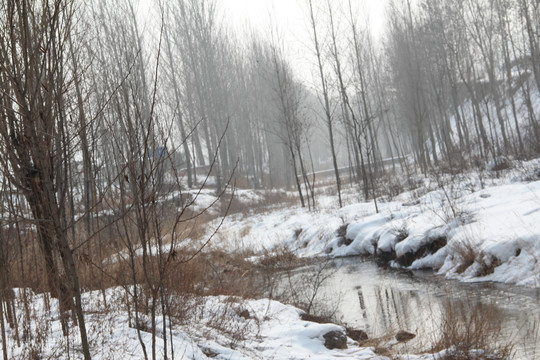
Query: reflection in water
<point x="362" y="303"/>
<point x="382" y="301"/>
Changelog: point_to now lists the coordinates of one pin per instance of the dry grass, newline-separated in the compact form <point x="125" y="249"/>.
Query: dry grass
<point x="470" y="326"/>
<point x="341" y="231"/>
<point x="467" y="253"/>
<point x="245" y="231"/>
<point x="277" y="260"/>
<point x="105" y="261"/>
<point x="274" y="200"/>
<point x="487" y="263"/>
<point x="271" y="200"/>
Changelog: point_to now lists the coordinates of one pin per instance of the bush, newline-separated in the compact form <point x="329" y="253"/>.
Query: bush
<point x="500" y="163"/>
<point x="466" y="253"/>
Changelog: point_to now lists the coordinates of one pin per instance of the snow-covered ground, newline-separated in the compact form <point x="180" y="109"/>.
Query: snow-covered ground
<point x="476" y="227"/>
<point x="213" y="327"/>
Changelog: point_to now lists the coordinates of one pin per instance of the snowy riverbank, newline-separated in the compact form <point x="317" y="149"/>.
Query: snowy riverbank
<point x="475" y="227"/>
<point x="211" y="327"/>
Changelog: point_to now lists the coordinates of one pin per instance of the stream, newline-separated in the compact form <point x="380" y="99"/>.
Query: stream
<point x="381" y="301"/>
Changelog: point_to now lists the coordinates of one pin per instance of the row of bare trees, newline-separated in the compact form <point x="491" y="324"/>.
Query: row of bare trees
<point x="110" y="128"/>
<point x="448" y="83"/>
<point x="466" y="77"/>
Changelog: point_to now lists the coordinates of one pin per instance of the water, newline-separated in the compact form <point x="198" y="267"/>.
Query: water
<point x="382" y="301"/>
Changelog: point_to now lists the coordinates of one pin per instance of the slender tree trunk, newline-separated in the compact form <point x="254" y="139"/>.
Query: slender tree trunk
<point x="327" y="110"/>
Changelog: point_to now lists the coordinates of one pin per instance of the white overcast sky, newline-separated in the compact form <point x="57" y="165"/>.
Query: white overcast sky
<point x="291" y="21"/>
<point x="290" y="17"/>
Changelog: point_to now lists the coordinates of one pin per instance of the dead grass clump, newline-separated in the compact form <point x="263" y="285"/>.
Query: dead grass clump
<point x="192" y="225"/>
<point x="487" y="265"/>
<point x="402" y="233"/>
<point x="316" y="318"/>
<point x="341" y="233"/>
<point x="382" y="351"/>
<point x="229" y="204"/>
<point x="245" y="231"/>
<point x="272" y="200"/>
<point x="280" y="259"/>
<point x="382" y="345"/>
<point x="469" y="254"/>
<point x="231" y="274"/>
<point x="278" y="198"/>
<point x="357" y="335"/>
<point x="470" y="329"/>
<point x="189" y="277"/>
<point x="466" y="252"/>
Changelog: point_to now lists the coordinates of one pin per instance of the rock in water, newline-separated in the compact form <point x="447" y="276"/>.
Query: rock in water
<point x="335" y="340"/>
<point x="403" y="336"/>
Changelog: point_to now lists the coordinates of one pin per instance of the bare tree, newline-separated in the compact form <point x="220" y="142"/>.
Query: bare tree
<point x="326" y="96"/>
<point x="292" y="127"/>
<point x="36" y="136"/>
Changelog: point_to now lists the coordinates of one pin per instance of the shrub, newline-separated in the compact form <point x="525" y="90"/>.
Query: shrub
<point x="341" y="233"/>
<point x="499" y="163"/>
<point x="466" y="253"/>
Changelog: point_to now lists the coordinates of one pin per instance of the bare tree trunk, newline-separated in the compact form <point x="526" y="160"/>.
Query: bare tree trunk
<point x="532" y="36"/>
<point x="327" y="110"/>
<point x="174" y="81"/>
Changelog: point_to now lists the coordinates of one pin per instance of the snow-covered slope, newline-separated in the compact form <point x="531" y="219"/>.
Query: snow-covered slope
<point x="478" y="227"/>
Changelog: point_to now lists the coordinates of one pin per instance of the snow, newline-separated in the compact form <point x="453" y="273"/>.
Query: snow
<point x="212" y="326"/>
<point x="496" y="215"/>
